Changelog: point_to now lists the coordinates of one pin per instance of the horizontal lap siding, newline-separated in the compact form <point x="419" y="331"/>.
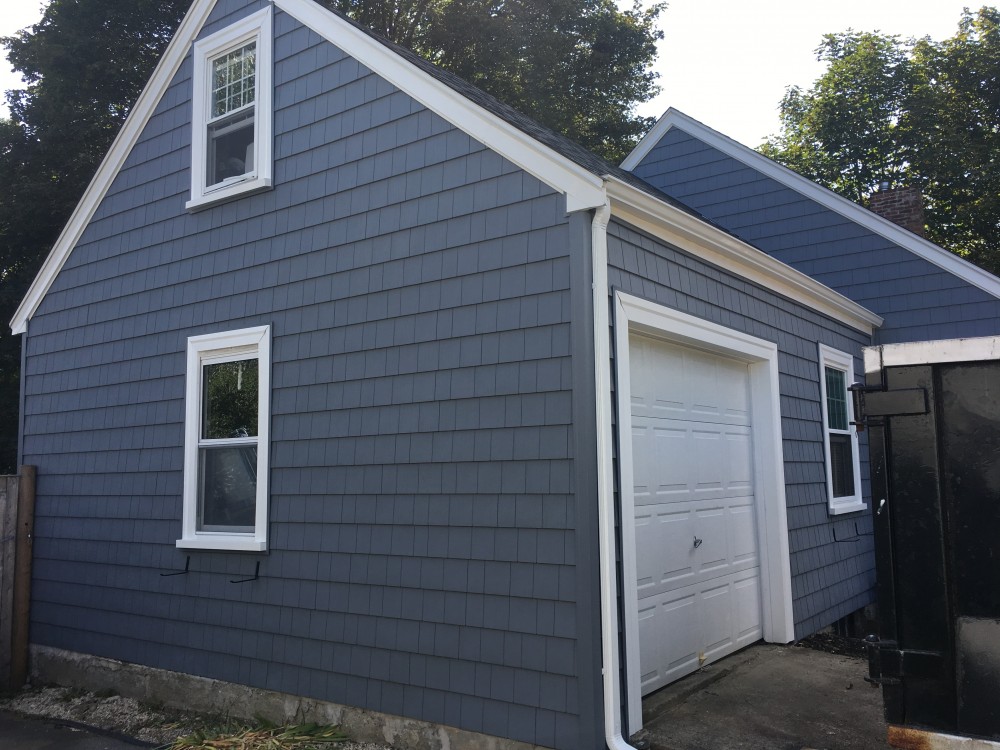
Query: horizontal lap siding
<point x="422" y="527"/>
<point x="832" y="561"/>
<point x="918" y="300"/>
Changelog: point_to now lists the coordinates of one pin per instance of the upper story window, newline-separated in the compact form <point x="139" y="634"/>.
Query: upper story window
<point x="226" y="440"/>
<point x="231" y="112"/>
<point x="840" y="439"/>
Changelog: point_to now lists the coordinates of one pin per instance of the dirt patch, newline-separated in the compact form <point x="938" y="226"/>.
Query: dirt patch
<point x="155" y="725"/>
<point x="831" y="643"/>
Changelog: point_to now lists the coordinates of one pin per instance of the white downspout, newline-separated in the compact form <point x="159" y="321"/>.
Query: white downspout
<point x="605" y="484"/>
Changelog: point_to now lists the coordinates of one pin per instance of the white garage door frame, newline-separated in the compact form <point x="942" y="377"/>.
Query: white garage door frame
<point x="633" y="314"/>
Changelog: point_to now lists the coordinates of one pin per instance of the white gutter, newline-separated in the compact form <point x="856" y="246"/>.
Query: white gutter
<point x="605" y="485"/>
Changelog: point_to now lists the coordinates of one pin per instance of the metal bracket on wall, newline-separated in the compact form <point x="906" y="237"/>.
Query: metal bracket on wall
<point x="187" y="569"/>
<point x="256" y="575"/>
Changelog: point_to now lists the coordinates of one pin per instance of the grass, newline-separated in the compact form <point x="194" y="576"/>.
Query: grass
<point x="262" y="736"/>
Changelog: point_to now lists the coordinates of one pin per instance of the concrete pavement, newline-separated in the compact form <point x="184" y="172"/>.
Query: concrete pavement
<point x="23" y="733"/>
<point x="769" y="697"/>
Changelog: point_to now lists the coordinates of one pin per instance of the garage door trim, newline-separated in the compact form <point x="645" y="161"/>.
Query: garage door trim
<point x="636" y="315"/>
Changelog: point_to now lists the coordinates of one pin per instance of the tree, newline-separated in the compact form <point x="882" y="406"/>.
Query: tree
<point x="915" y="112"/>
<point x="578" y="66"/>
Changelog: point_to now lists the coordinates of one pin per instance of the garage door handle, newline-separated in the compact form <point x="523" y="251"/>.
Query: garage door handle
<point x="697" y="542"/>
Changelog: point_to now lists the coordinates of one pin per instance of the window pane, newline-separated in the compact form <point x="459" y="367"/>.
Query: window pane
<point x="233" y="80"/>
<point x="230" y="400"/>
<point x="836" y="399"/>
<point x="842" y="465"/>
<point x="230" y="147"/>
<point x="227" y="488"/>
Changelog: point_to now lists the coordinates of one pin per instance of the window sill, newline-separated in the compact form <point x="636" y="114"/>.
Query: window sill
<point x="223" y="543"/>
<point x="228" y="193"/>
<point x="852" y="506"/>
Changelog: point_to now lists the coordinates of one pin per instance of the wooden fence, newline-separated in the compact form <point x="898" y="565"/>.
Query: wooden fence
<point x="17" y="520"/>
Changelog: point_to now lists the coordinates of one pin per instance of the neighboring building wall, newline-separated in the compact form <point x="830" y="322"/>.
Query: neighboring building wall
<point x="832" y="559"/>
<point x="425" y="542"/>
<point x="918" y="300"/>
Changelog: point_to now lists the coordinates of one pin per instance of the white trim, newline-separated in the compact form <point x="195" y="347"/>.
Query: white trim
<point x="919" y="246"/>
<point x="838" y="360"/>
<point x="677" y="227"/>
<point x="981" y="349"/>
<point x="642" y="316"/>
<point x="583" y="189"/>
<point x="907" y="736"/>
<point x="165" y="71"/>
<point x="255" y="27"/>
<point x="223" y="347"/>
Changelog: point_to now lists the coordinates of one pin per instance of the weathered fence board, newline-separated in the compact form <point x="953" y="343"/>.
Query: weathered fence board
<point x="17" y="517"/>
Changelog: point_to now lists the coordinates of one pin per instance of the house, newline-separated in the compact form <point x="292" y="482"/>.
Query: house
<point x="363" y="396"/>
<point x="922" y="291"/>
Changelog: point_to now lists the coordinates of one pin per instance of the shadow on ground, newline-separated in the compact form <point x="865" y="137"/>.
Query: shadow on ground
<point x="769" y="697"/>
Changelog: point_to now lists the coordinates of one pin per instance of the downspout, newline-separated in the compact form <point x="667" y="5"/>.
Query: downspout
<point x="605" y="484"/>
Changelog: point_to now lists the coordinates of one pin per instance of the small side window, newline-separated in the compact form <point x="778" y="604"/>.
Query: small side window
<point x="840" y="440"/>
<point x="226" y="441"/>
<point x="231" y="111"/>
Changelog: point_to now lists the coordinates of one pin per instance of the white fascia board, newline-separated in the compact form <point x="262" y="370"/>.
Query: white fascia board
<point x="126" y="139"/>
<point x="583" y="189"/>
<point x="719" y="248"/>
<point x="981" y="349"/>
<point x="917" y="245"/>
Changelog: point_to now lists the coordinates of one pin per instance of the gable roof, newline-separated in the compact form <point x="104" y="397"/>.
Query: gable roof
<point x="587" y="180"/>
<point x="850" y="210"/>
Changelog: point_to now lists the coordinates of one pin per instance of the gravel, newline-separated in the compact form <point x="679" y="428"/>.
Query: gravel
<point x="150" y="724"/>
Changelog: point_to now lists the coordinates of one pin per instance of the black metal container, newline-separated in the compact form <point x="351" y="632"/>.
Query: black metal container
<point x="933" y="412"/>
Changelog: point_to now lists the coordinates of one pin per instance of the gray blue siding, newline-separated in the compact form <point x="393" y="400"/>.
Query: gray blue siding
<point x="830" y="578"/>
<point x="428" y="557"/>
<point x="918" y="300"/>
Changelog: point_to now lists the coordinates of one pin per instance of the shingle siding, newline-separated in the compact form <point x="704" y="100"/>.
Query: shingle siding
<point x="424" y="537"/>
<point x="918" y="300"/>
<point x="832" y="560"/>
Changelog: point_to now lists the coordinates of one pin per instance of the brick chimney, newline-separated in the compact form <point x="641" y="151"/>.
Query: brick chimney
<point x="903" y="206"/>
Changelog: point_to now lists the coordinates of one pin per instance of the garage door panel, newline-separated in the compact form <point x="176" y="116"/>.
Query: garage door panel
<point x="704" y="624"/>
<point x="697" y="557"/>
<point x="663" y="538"/>
<point x="676" y="382"/>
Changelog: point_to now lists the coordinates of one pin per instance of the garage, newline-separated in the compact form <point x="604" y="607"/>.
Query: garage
<point x="698" y="570"/>
<point x="703" y="526"/>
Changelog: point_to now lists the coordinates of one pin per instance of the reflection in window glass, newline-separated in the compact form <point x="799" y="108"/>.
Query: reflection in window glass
<point x="227" y="488"/>
<point x="230" y="400"/>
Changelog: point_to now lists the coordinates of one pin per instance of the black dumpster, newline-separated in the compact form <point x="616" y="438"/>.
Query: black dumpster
<point x="933" y="413"/>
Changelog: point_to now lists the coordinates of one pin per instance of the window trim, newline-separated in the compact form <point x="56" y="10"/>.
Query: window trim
<point x="216" y="347"/>
<point x="838" y="360"/>
<point x="255" y="27"/>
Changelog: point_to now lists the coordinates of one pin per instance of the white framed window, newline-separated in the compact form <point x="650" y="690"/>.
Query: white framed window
<point x="226" y="429"/>
<point x="231" y="119"/>
<point x="840" y="439"/>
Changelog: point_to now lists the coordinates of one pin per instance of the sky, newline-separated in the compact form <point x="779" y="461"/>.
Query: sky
<point x="724" y="62"/>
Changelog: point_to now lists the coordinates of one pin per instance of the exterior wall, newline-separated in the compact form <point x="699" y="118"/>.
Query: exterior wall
<point x="427" y="554"/>
<point x="832" y="558"/>
<point x="918" y="300"/>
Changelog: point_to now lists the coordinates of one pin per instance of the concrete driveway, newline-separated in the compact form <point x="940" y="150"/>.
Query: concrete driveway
<point x="22" y="733"/>
<point x="769" y="697"/>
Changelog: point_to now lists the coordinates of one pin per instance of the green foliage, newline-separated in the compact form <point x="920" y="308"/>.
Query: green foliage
<point x="917" y="112"/>
<point x="578" y="66"/>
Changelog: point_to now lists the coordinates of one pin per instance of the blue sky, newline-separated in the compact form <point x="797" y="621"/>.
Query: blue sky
<point x="724" y="62"/>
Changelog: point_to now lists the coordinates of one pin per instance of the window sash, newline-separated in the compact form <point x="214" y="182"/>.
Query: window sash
<point x="226" y="478"/>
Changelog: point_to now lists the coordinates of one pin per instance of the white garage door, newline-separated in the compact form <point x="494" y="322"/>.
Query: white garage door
<point x="696" y="535"/>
